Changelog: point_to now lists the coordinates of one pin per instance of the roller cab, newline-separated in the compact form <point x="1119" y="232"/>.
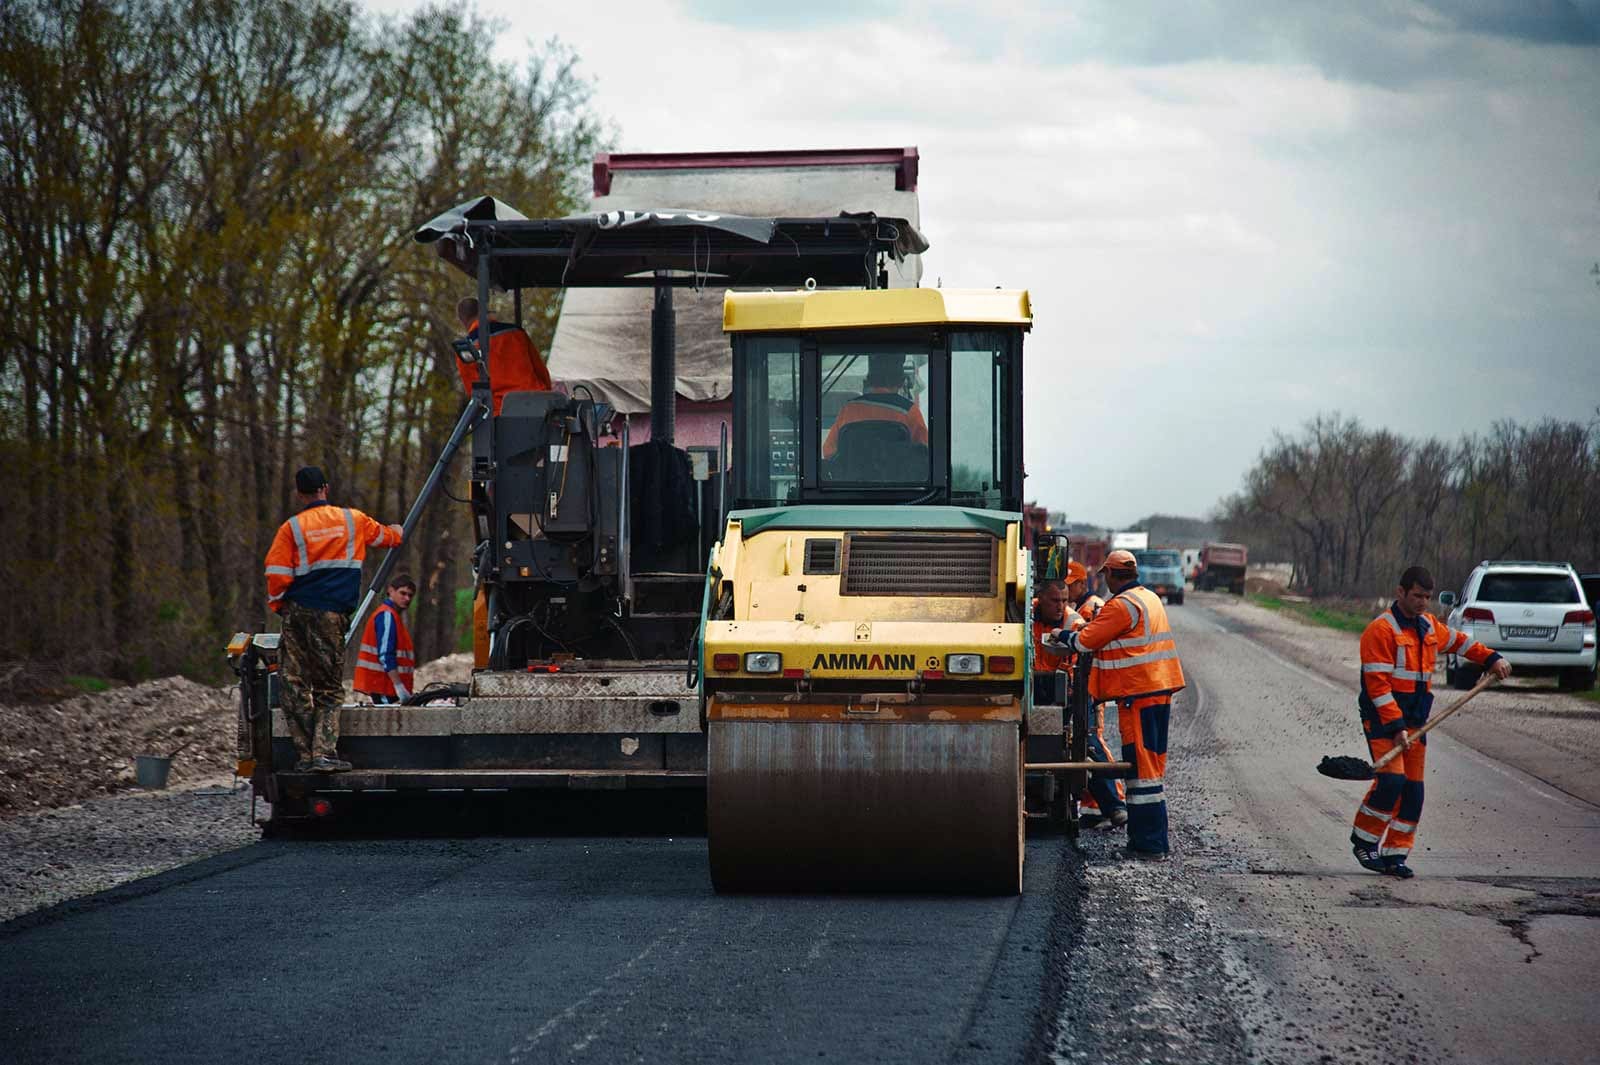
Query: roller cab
<point x="865" y="656"/>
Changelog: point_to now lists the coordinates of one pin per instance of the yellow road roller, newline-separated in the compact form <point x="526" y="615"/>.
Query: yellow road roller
<point x="864" y="663"/>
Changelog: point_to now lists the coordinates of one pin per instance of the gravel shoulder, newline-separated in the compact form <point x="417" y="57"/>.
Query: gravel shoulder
<point x="1526" y="723"/>
<point x="72" y="819"/>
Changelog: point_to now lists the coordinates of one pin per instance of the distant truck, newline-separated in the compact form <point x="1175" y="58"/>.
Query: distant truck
<point x="1222" y="566"/>
<point x="1161" y="571"/>
<point x="1130" y="540"/>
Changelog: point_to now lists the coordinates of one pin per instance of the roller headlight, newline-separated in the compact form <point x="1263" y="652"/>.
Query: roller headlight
<point x="963" y="664"/>
<point x="763" y="662"/>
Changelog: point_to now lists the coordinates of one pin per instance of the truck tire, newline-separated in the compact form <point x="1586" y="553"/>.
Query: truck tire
<point x="1177" y="599"/>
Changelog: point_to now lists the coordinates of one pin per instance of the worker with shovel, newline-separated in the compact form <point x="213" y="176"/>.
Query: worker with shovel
<point x="1397" y="655"/>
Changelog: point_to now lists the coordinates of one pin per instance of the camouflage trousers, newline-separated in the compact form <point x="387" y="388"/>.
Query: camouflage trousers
<point x="311" y="666"/>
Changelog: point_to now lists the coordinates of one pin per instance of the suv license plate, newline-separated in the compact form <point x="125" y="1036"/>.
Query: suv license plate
<point x="1527" y="632"/>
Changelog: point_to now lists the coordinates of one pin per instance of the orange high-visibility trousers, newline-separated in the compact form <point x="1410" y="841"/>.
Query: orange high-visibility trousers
<point x="1143" y="720"/>
<point x="1388" y="815"/>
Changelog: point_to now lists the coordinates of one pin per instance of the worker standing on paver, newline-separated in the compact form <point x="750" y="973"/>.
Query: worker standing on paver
<point x="514" y="363"/>
<point x="1105" y="804"/>
<point x="385" y="659"/>
<point x="1398" y="650"/>
<point x="313" y="582"/>
<point x="1135" y="663"/>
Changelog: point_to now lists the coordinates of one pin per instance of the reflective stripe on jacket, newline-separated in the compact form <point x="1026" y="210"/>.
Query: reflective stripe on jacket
<point x="1134" y="652"/>
<point x="1397" y="658"/>
<point x="316" y="557"/>
<point x="385" y="645"/>
<point x="514" y="363"/>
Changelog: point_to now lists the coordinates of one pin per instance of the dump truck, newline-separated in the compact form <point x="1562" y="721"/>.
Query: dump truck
<point x="1222" y="566"/>
<point x="865" y="668"/>
<point x="1161" y="571"/>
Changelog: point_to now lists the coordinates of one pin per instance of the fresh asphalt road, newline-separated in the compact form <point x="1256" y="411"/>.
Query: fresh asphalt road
<point x="1260" y="941"/>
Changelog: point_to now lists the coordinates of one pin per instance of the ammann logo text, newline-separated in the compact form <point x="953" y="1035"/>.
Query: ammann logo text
<point x="846" y="660"/>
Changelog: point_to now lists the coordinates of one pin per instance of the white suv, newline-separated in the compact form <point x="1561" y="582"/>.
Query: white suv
<point x="1533" y="613"/>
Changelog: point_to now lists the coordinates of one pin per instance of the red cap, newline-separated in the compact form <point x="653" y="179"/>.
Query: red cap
<point x="1121" y="560"/>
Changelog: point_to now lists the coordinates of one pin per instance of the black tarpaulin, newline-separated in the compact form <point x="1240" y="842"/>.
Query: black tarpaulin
<point x="697" y="247"/>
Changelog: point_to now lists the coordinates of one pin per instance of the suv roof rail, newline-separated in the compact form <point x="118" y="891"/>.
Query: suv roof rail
<point x="1524" y="562"/>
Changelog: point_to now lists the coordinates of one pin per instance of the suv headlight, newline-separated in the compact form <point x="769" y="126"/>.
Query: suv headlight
<point x="963" y="664"/>
<point x="763" y="662"/>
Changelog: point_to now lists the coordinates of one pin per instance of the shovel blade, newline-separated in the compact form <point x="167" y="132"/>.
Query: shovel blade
<point x="1345" y="768"/>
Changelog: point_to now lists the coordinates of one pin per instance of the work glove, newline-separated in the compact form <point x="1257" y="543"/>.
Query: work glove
<point x="1062" y="642"/>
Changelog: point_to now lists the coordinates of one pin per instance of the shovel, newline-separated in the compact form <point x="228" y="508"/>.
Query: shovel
<point x="1347" y="768"/>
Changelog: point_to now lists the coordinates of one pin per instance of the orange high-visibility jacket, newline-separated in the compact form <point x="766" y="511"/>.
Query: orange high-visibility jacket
<point x="877" y="405"/>
<point x="1397" y="658"/>
<point x="1134" y="653"/>
<point x="1088" y="607"/>
<point x="1045" y="660"/>
<point x="316" y="557"/>
<point x="385" y="646"/>
<point x="514" y="363"/>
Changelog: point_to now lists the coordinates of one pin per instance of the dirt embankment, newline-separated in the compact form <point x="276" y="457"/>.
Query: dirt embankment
<point x="56" y="754"/>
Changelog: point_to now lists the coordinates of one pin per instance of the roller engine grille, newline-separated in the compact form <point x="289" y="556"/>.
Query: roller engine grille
<point x="918" y="564"/>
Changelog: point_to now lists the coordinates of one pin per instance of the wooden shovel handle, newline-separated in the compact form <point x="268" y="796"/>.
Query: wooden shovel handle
<point x="1483" y="682"/>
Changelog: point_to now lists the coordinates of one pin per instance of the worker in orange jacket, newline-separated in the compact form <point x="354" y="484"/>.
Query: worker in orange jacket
<point x="514" y="363"/>
<point x="1136" y="664"/>
<point x="385" y="658"/>
<point x="1398" y="650"/>
<point x="1104" y="803"/>
<point x="884" y="400"/>
<point x="1049" y="614"/>
<point x="313" y="575"/>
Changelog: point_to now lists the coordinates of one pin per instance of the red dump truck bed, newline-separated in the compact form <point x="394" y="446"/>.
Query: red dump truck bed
<point x="1224" y="554"/>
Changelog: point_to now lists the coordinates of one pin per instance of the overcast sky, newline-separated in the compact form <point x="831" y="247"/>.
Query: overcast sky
<point x="1231" y="215"/>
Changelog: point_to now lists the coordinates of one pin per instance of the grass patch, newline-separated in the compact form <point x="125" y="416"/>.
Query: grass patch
<point x="89" y="684"/>
<point x="1593" y="695"/>
<point x="1328" y="615"/>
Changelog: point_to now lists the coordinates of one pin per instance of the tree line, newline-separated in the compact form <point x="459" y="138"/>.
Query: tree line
<point x="206" y="210"/>
<point x="1351" y="507"/>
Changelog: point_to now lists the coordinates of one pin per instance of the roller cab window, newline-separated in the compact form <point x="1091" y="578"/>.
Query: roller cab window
<point x="878" y="416"/>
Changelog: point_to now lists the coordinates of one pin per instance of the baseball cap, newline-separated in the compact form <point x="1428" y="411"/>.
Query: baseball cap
<point x="308" y="480"/>
<point x="1076" y="572"/>
<point x="1121" y="560"/>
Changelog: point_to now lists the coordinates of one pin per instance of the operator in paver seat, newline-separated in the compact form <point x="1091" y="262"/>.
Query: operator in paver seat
<point x="1397" y="654"/>
<point x="883" y="400"/>
<point x="1135" y="663"/>
<point x="386" y="660"/>
<point x="514" y="363"/>
<point x="313" y="582"/>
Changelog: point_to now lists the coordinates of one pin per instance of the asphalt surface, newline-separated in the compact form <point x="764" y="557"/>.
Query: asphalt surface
<point x="1261" y="940"/>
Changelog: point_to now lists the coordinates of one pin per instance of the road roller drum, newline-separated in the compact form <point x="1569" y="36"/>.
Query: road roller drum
<point x="842" y="797"/>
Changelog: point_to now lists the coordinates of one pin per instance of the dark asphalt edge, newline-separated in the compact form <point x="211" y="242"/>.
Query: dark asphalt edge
<point x="1020" y="974"/>
<point x="1063" y="937"/>
<point x="216" y="865"/>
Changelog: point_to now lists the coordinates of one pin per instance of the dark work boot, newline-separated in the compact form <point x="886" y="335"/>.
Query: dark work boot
<point x="324" y="764"/>
<point x="1367" y="855"/>
<point x="1395" y="866"/>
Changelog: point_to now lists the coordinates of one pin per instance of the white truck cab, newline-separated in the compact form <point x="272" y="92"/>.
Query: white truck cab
<point x="1533" y="613"/>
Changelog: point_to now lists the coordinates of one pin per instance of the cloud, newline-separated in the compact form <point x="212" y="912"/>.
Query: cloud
<point x="1251" y="212"/>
